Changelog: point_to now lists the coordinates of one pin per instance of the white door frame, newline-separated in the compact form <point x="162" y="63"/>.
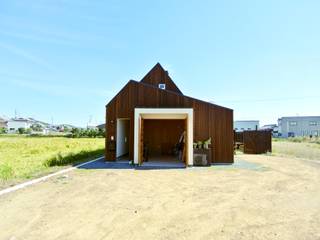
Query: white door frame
<point x="164" y="113"/>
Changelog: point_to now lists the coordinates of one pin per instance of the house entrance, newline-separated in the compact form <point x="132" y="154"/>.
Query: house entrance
<point x="157" y="135"/>
<point x="163" y="140"/>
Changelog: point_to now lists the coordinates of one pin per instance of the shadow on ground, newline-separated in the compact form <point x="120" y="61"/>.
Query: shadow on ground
<point x="238" y="164"/>
<point x="102" y="164"/>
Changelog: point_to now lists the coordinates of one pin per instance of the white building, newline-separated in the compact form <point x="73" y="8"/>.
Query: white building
<point x="243" y="125"/>
<point x="299" y="126"/>
<point x="15" y="123"/>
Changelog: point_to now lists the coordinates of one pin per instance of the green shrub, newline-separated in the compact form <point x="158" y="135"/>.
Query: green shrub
<point x="28" y="131"/>
<point x="91" y="133"/>
<point x="21" y="130"/>
<point x="3" y="130"/>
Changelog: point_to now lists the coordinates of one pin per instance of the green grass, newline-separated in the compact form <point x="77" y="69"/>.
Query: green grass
<point x="301" y="148"/>
<point x="23" y="157"/>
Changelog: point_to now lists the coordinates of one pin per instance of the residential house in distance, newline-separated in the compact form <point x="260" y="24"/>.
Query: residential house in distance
<point x="15" y="123"/>
<point x="245" y="125"/>
<point x="299" y="126"/>
<point x="101" y="126"/>
<point x="273" y="128"/>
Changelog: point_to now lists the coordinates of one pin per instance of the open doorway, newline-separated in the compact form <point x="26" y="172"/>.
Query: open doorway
<point x="123" y="131"/>
<point x="161" y="140"/>
<point x="162" y="133"/>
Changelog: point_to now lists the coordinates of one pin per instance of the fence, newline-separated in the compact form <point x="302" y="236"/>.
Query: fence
<point x="254" y="142"/>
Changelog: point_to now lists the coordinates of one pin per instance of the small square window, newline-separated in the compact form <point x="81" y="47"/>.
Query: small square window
<point x="293" y="123"/>
<point x="162" y="86"/>
<point x="312" y="123"/>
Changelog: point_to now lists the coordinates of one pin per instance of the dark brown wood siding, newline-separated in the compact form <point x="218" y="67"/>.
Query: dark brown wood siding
<point x="158" y="75"/>
<point x="257" y="142"/>
<point x="209" y="120"/>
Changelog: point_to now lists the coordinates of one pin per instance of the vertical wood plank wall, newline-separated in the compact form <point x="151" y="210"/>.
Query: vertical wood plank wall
<point x="209" y="120"/>
<point x="257" y="142"/>
<point x="162" y="135"/>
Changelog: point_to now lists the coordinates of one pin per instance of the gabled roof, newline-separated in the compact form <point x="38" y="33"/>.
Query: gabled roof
<point x="21" y="120"/>
<point x="147" y="81"/>
<point x="168" y="92"/>
<point x="158" y="75"/>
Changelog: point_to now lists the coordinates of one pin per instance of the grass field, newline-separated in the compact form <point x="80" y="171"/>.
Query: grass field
<point x="295" y="148"/>
<point x="23" y="158"/>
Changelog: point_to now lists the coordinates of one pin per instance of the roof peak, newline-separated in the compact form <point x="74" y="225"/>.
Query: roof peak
<point x="158" y="75"/>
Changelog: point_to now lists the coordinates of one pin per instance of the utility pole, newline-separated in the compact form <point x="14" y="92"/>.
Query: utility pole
<point x="90" y="119"/>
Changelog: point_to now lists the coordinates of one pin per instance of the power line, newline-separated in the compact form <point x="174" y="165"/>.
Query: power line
<point x="269" y="99"/>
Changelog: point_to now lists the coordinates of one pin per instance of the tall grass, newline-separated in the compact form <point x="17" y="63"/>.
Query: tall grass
<point x="298" y="140"/>
<point x="299" y="149"/>
<point x="24" y="157"/>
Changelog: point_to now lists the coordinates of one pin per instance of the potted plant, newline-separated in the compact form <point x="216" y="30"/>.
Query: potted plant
<point x="207" y="143"/>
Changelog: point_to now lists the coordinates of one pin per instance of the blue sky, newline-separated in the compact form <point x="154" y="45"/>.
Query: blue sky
<point x="66" y="59"/>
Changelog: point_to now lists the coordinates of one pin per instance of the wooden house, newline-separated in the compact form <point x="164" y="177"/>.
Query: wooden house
<point x="149" y="117"/>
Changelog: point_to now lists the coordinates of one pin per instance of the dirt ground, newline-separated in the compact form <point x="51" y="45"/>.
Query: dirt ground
<point x="260" y="197"/>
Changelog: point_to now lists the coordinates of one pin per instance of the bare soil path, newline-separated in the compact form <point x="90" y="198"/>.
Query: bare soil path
<point x="260" y="197"/>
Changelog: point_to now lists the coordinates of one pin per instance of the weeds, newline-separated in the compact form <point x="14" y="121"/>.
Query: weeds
<point x="298" y="149"/>
<point x="28" y="157"/>
<point x="67" y="158"/>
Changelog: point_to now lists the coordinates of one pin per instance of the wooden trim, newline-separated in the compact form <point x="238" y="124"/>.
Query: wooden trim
<point x="138" y="139"/>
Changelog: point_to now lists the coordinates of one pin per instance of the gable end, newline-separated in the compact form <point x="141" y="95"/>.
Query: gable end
<point x="158" y="77"/>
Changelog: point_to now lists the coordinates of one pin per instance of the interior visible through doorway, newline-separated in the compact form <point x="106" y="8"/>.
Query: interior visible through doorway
<point x="160" y="139"/>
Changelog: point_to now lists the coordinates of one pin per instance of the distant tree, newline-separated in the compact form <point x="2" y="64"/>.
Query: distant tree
<point x="92" y="133"/>
<point x="102" y="132"/>
<point x="66" y="129"/>
<point x="76" y="132"/>
<point x="3" y="130"/>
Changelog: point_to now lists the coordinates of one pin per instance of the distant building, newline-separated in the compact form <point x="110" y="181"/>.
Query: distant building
<point x="272" y="127"/>
<point x="299" y="126"/>
<point x="15" y="123"/>
<point x="3" y="122"/>
<point x="101" y="126"/>
<point x="243" y="125"/>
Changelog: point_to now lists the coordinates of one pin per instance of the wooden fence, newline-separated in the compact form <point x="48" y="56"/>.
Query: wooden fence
<point x="254" y="142"/>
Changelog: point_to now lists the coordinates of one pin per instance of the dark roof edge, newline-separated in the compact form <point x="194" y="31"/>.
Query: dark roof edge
<point x="130" y="81"/>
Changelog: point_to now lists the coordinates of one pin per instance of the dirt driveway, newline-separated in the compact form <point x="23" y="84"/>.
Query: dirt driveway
<point x="260" y="197"/>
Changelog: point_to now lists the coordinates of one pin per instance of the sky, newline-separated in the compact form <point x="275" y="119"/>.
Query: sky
<point x="61" y="61"/>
